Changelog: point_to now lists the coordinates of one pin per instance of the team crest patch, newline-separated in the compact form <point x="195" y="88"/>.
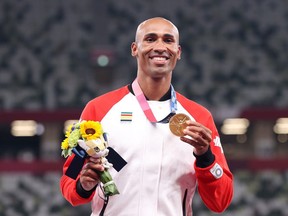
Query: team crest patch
<point x="126" y="117"/>
<point x="216" y="171"/>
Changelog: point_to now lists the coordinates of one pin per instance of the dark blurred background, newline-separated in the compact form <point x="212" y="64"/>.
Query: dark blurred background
<point x="56" y="55"/>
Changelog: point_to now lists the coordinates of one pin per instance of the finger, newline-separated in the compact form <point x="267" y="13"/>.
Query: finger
<point x="93" y="166"/>
<point x="194" y="143"/>
<point x="198" y="132"/>
<point x="200" y="148"/>
<point x="92" y="162"/>
<point x="95" y="160"/>
<point x="90" y="173"/>
<point x="90" y="168"/>
<point x="197" y="136"/>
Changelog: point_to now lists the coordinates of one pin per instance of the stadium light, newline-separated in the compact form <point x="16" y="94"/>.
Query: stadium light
<point x="235" y="126"/>
<point x="26" y="128"/>
<point x="281" y="126"/>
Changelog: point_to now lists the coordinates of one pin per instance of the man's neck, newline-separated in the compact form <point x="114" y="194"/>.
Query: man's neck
<point x="154" y="89"/>
<point x="166" y="96"/>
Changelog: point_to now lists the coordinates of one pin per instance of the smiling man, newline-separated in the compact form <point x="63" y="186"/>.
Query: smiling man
<point x="157" y="49"/>
<point x="169" y="143"/>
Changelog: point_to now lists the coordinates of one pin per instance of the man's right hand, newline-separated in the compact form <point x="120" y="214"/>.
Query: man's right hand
<point x="88" y="176"/>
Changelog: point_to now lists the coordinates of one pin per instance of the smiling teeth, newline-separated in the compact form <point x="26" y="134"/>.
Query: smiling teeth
<point x="160" y="58"/>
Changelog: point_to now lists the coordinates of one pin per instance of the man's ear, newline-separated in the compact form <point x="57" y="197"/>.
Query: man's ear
<point x="133" y="49"/>
<point x="179" y="52"/>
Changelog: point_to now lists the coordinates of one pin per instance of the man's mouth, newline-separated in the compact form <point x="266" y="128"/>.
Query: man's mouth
<point x="159" y="59"/>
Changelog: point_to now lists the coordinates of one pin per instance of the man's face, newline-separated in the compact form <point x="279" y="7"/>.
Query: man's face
<point x="156" y="47"/>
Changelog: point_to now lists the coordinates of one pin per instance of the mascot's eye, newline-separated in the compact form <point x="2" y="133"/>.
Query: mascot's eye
<point x="97" y="149"/>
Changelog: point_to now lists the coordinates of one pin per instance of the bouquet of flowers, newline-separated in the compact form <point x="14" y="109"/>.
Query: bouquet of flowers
<point x="90" y="137"/>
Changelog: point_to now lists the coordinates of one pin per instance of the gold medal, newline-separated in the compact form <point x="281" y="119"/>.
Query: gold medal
<point x="177" y="123"/>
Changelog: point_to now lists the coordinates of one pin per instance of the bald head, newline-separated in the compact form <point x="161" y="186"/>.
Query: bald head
<point x="153" y="24"/>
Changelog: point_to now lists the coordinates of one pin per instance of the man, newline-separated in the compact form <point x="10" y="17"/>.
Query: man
<point x="162" y="170"/>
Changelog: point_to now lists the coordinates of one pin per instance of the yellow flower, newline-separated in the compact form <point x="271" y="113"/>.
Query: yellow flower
<point x="68" y="131"/>
<point x="65" y="144"/>
<point x="91" y="130"/>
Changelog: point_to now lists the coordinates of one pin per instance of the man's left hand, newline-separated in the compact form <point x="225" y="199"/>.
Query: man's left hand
<point x="198" y="136"/>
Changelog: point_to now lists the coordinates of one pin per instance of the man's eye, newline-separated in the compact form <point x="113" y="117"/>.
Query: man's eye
<point x="149" y="39"/>
<point x="169" y="40"/>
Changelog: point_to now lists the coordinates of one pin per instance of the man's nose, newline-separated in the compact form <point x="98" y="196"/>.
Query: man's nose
<point x="160" y="46"/>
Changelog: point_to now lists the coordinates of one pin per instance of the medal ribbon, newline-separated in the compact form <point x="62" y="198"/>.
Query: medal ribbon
<point x="146" y="108"/>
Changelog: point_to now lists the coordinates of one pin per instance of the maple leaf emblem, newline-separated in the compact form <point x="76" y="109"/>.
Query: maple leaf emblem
<point x="217" y="143"/>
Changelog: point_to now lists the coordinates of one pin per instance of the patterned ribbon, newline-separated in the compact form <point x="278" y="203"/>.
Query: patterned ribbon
<point x="146" y="108"/>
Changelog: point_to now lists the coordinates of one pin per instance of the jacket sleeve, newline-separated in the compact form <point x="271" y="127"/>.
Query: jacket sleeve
<point x="70" y="188"/>
<point x="215" y="182"/>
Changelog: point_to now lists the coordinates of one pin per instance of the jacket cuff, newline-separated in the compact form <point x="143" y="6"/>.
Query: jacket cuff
<point x="83" y="193"/>
<point x="205" y="160"/>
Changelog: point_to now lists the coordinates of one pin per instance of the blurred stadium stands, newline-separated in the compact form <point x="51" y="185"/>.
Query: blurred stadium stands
<point x="57" y="55"/>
